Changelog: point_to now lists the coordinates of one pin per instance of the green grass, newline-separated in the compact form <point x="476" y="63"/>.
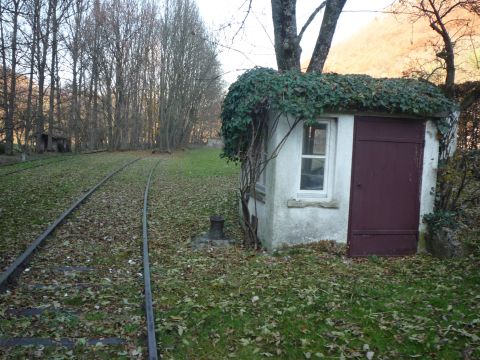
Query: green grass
<point x="305" y="302"/>
<point x="9" y="164"/>
<point x="32" y="199"/>
<point x="203" y="163"/>
<point x="104" y="234"/>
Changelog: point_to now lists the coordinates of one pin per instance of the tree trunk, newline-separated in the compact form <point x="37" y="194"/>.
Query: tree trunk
<point x="28" y="116"/>
<point x="287" y="41"/>
<point x="4" y="68"/>
<point x="13" y="82"/>
<point x="287" y="48"/>
<point x="74" y="109"/>
<point x="58" y="93"/>
<point x="333" y="10"/>
<point x="42" y="63"/>
<point x="448" y="55"/>
<point x="51" y="108"/>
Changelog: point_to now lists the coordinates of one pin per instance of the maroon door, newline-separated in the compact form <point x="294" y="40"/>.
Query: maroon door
<point x="386" y="175"/>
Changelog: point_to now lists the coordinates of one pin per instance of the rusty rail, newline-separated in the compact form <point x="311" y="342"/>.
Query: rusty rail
<point x="19" y="264"/>
<point x="152" y="343"/>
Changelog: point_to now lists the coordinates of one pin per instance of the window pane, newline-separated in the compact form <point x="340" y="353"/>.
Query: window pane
<point x="315" y="140"/>
<point x="263" y="174"/>
<point x="312" y="174"/>
<point x="262" y="168"/>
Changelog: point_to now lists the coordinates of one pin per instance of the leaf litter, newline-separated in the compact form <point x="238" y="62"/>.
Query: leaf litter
<point x="33" y="199"/>
<point x="86" y="276"/>
<point x="303" y="302"/>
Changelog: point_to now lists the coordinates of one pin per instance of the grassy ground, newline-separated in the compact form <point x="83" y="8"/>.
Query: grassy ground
<point x="307" y="302"/>
<point x="104" y="235"/>
<point x="32" y="199"/>
<point x="17" y="158"/>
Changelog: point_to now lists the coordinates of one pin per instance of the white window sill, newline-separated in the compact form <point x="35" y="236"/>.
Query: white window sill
<point x="309" y="195"/>
<point x="299" y="204"/>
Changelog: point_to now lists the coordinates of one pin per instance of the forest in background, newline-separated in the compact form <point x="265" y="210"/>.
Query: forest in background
<point x="115" y="74"/>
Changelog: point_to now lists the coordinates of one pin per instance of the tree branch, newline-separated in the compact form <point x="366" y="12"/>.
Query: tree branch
<point x="310" y="19"/>
<point x="244" y="19"/>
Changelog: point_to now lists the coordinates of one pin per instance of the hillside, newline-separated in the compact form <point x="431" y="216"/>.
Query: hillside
<point x="391" y="46"/>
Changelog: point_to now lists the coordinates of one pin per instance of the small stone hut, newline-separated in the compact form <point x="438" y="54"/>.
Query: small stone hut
<point x="60" y="142"/>
<point x="358" y="166"/>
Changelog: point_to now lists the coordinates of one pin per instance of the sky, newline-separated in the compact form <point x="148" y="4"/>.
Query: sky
<point x="243" y="47"/>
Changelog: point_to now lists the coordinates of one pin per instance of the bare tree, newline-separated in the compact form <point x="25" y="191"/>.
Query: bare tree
<point x="34" y="23"/>
<point x="458" y="170"/>
<point x="287" y="37"/>
<point x="442" y="18"/>
<point x="140" y="75"/>
<point x="5" y="72"/>
<point x="189" y="72"/>
<point x="74" y="44"/>
<point x="54" y="45"/>
<point x="41" y="54"/>
<point x="10" y="74"/>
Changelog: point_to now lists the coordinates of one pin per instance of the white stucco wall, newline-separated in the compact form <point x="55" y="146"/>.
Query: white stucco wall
<point x="429" y="175"/>
<point x="287" y="217"/>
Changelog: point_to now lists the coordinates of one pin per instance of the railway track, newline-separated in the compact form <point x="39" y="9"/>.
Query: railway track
<point x="79" y="294"/>
<point x="41" y="162"/>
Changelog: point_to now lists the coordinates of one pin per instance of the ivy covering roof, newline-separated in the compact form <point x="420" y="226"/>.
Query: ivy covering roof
<point x="308" y="96"/>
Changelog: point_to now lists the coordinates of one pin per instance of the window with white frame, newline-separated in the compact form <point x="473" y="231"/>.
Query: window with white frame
<point x="315" y="156"/>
